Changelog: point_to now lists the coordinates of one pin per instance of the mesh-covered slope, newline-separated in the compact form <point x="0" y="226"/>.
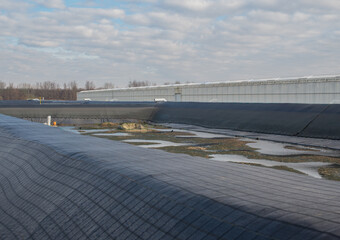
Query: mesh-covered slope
<point x="58" y="185"/>
<point x="306" y="120"/>
<point x="63" y="110"/>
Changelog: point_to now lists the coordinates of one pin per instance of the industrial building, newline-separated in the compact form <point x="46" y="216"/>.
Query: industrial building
<point x="311" y="90"/>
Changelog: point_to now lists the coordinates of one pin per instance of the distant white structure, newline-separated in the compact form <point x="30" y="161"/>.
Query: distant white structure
<point x="293" y="90"/>
<point x="160" y="100"/>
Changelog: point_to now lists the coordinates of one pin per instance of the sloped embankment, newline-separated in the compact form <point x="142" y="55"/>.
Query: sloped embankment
<point x="304" y="120"/>
<point x="58" y="185"/>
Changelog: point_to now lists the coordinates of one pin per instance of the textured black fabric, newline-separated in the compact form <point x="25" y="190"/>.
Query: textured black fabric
<point x="86" y="110"/>
<point x="59" y="185"/>
<point x="325" y="125"/>
<point x="306" y="120"/>
<point x="56" y="104"/>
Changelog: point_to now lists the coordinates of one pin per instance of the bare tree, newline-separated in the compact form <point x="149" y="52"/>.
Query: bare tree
<point x="135" y="83"/>
<point x="50" y="85"/>
<point x="24" y="86"/>
<point x="48" y="90"/>
<point x="89" y="85"/>
<point x="73" y="85"/>
<point x="169" y="83"/>
<point x="2" y="85"/>
<point x="108" y="85"/>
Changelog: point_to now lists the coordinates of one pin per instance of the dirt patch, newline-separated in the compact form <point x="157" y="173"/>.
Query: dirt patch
<point x="285" y="168"/>
<point x="301" y="148"/>
<point x="331" y="172"/>
<point x="275" y="167"/>
<point x="185" y="150"/>
<point x="197" y="148"/>
<point x="204" y="147"/>
<point x="141" y="143"/>
<point x="108" y="125"/>
<point x="122" y="125"/>
<point x="131" y="126"/>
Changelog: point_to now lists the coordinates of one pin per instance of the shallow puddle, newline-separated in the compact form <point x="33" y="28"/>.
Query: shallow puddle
<point x="279" y="149"/>
<point x="309" y="168"/>
<point x="194" y="134"/>
<point x="118" y="134"/>
<point x="81" y="131"/>
<point x="93" y="130"/>
<point x="196" y="148"/>
<point x="155" y="143"/>
<point x="70" y="129"/>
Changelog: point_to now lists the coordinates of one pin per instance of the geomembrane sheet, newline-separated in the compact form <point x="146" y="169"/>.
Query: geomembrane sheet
<point x="59" y="185"/>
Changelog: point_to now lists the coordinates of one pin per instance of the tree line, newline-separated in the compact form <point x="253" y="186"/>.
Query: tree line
<point x="54" y="91"/>
<point x="45" y="90"/>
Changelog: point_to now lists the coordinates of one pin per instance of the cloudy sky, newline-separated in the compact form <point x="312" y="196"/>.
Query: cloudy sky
<point x="167" y="40"/>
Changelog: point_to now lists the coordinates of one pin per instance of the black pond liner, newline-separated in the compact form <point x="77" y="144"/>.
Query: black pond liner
<point x="59" y="185"/>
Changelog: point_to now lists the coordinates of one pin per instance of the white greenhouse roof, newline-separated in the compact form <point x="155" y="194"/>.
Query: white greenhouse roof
<point x="327" y="77"/>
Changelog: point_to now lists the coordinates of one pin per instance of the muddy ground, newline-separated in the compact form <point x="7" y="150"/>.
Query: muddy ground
<point x="186" y="142"/>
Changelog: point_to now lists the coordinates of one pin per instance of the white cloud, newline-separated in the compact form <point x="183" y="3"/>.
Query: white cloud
<point x="269" y="16"/>
<point x="193" y="5"/>
<point x="51" y="3"/>
<point x="300" y="17"/>
<point x="326" y="4"/>
<point x="204" y="8"/>
<point x="18" y="6"/>
<point x="166" y="41"/>
<point x="90" y="12"/>
<point x="41" y="43"/>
